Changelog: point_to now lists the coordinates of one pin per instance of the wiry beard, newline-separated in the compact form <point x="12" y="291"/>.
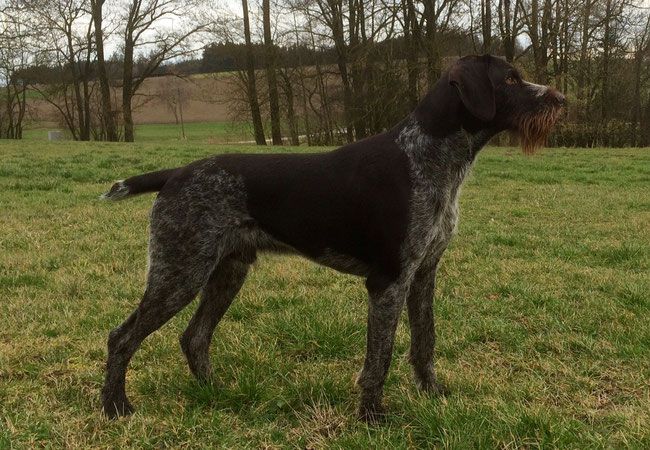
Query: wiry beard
<point x="534" y="128"/>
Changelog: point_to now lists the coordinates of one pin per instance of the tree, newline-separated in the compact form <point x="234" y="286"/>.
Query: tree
<point x="486" y="25"/>
<point x="641" y="47"/>
<point x="251" y="82"/>
<point x="146" y="36"/>
<point x="14" y="58"/>
<point x="538" y="26"/>
<point x="411" y="35"/>
<point x="64" y="39"/>
<point x="175" y="95"/>
<point x="437" y="16"/>
<point x="109" y="125"/>
<point x="509" y="26"/>
<point x="271" y="68"/>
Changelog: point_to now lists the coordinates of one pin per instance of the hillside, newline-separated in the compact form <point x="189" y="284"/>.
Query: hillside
<point x="206" y="99"/>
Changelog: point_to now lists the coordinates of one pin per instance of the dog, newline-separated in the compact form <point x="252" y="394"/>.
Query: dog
<point x="384" y="208"/>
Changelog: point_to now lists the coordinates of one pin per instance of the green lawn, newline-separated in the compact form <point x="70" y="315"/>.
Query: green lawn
<point x="195" y="132"/>
<point x="203" y="132"/>
<point x="542" y="316"/>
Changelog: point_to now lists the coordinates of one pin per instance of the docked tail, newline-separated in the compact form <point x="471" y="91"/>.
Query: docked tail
<point x="148" y="182"/>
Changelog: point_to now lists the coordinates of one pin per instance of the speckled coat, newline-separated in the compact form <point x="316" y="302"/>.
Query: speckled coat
<point x="384" y="208"/>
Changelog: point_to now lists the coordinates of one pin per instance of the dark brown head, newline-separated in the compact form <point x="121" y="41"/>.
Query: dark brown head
<point x="495" y="96"/>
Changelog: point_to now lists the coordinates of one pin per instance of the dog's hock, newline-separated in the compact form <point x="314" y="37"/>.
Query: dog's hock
<point x="118" y="191"/>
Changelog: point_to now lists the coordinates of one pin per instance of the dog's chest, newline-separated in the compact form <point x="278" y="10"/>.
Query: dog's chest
<point x="434" y="215"/>
<point x="438" y="169"/>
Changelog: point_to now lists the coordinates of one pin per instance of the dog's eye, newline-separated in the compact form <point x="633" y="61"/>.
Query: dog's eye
<point x="511" y="80"/>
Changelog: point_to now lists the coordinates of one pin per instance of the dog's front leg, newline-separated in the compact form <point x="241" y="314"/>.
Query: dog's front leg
<point x="385" y="302"/>
<point x="422" y="324"/>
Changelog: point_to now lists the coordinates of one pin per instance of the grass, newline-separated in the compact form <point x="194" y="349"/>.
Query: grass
<point x="542" y="316"/>
<point x="195" y="132"/>
<point x="210" y="132"/>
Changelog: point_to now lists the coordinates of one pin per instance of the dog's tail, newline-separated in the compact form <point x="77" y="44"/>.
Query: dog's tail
<point x="148" y="182"/>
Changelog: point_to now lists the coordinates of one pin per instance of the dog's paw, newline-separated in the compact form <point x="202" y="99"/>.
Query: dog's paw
<point x="118" y="408"/>
<point x="430" y="385"/>
<point x="372" y="413"/>
<point x="433" y="387"/>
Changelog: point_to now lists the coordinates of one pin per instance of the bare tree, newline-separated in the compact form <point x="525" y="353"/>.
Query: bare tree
<point x="437" y="16"/>
<point x="14" y="58"/>
<point x="173" y="92"/>
<point x="109" y="124"/>
<point x="510" y="25"/>
<point x="486" y="25"/>
<point x="288" y="80"/>
<point x="538" y="23"/>
<point x="144" y="29"/>
<point x="411" y="36"/>
<point x="271" y="68"/>
<point x="641" y="48"/>
<point x="251" y="82"/>
<point x="64" y="41"/>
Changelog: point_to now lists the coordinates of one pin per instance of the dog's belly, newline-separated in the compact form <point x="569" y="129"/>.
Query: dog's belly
<point x="327" y="257"/>
<point x="342" y="263"/>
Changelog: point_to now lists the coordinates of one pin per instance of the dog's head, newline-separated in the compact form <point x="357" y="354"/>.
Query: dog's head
<point x="494" y="94"/>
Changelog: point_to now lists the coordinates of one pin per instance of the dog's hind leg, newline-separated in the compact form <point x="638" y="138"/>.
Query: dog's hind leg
<point x="178" y="271"/>
<point x="159" y="304"/>
<point x="421" y="322"/>
<point x="223" y="285"/>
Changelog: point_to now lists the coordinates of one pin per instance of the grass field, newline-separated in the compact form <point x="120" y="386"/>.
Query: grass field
<point x="195" y="132"/>
<point x="542" y="316"/>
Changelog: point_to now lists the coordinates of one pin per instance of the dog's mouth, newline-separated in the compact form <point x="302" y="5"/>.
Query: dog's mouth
<point x="533" y="128"/>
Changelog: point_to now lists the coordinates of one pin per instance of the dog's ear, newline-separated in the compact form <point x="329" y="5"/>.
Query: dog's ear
<point x="470" y="77"/>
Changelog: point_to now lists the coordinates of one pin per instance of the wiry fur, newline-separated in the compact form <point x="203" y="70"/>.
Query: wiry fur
<point x="533" y="128"/>
<point x="384" y="208"/>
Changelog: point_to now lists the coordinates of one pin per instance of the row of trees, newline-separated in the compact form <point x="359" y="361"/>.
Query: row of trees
<point x="55" y="50"/>
<point x="328" y="70"/>
<point x="387" y="53"/>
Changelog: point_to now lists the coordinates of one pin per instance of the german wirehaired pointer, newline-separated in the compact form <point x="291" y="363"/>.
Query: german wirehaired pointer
<point x="384" y="208"/>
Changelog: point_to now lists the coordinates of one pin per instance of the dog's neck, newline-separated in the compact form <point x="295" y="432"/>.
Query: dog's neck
<point x="448" y="154"/>
<point x="441" y="115"/>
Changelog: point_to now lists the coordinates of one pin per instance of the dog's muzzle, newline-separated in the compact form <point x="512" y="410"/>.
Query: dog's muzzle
<point x="534" y="127"/>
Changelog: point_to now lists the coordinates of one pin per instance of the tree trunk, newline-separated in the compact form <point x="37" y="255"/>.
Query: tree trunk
<point x="581" y="79"/>
<point x="108" y="118"/>
<point x="431" y="47"/>
<point x="347" y="97"/>
<point x="303" y="97"/>
<point x="334" y="10"/>
<point x="271" y="67"/>
<point x="180" y="112"/>
<point x="507" y="25"/>
<point x="127" y="87"/>
<point x="636" y="98"/>
<point x="411" y="40"/>
<point x="22" y="108"/>
<point x="486" y="25"/>
<point x="604" y="106"/>
<point x="645" y="125"/>
<point x="251" y="83"/>
<point x="76" y="84"/>
<point x="85" y="133"/>
<point x="356" y="25"/>
<point x="127" y="116"/>
<point x="291" y="115"/>
<point x="538" y="33"/>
